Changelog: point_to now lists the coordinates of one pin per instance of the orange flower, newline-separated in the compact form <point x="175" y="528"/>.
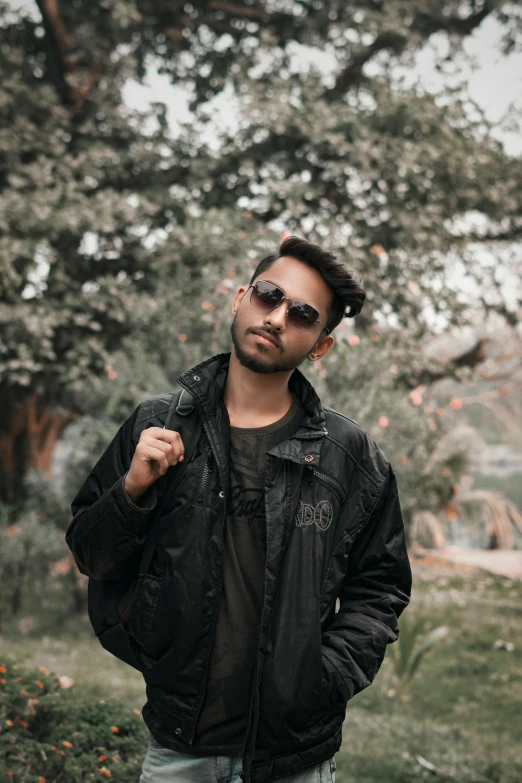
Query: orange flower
<point x="40" y="684"/>
<point x="2" y="669"/>
<point x="115" y="729"/>
<point x="136" y="712"/>
<point x="415" y="397"/>
<point x="377" y="250"/>
<point x="102" y="758"/>
<point x="67" y="744"/>
<point x="456" y="404"/>
<point x="9" y="722"/>
<point x="354" y="340"/>
<point x="54" y="747"/>
<point x="402" y="460"/>
<point x="383" y="421"/>
<point x="44" y="670"/>
<point x="23" y="693"/>
<point x="41" y="779"/>
<point x="9" y="773"/>
<point x="114" y="758"/>
<point x="2" y="681"/>
<point x="62" y="753"/>
<point x="22" y="723"/>
<point x="105" y="771"/>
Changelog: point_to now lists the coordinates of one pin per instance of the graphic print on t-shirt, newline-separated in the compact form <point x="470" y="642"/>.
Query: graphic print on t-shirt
<point x="247" y="474"/>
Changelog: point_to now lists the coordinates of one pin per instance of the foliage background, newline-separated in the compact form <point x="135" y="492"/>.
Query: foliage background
<point x="123" y="240"/>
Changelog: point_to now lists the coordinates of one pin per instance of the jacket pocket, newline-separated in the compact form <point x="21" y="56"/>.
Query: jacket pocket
<point x="141" y="615"/>
<point x="333" y="683"/>
<point x="331" y="483"/>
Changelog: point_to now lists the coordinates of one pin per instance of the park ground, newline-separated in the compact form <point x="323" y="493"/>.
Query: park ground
<point x="459" y="722"/>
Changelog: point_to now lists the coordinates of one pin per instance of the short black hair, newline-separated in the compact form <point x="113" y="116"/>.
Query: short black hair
<point x="345" y="284"/>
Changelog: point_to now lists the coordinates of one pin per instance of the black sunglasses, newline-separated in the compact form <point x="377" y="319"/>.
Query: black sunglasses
<point x="266" y="296"/>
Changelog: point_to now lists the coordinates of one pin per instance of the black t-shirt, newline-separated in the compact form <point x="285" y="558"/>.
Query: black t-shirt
<point x="222" y="723"/>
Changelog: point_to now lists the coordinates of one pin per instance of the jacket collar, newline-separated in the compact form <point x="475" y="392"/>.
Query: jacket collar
<point x="206" y="381"/>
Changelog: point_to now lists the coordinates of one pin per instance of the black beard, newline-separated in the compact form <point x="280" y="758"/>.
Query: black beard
<point x="251" y="363"/>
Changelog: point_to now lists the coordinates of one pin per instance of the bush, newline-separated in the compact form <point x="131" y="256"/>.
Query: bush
<point x="49" y="731"/>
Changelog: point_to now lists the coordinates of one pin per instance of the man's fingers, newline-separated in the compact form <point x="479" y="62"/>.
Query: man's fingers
<point x="175" y="451"/>
<point x="158" y="455"/>
<point x="168" y="436"/>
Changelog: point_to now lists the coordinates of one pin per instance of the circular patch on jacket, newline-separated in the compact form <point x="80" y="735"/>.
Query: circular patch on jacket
<point x="321" y="514"/>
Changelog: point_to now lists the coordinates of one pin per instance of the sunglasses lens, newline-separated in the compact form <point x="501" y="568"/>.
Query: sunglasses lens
<point x="265" y="296"/>
<point x="301" y="315"/>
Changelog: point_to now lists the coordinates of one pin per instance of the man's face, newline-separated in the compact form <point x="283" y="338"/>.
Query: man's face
<point x="297" y="281"/>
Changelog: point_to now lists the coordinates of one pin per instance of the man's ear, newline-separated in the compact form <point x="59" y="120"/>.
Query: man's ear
<point x="321" y="348"/>
<point x="241" y="291"/>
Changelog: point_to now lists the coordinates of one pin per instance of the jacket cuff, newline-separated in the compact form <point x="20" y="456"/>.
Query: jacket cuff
<point x="144" y="504"/>
<point x="131" y="514"/>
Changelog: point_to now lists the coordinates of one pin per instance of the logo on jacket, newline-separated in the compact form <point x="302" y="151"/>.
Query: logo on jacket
<point x="321" y="514"/>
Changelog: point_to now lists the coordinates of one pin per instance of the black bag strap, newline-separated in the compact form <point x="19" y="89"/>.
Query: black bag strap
<point x="182" y="404"/>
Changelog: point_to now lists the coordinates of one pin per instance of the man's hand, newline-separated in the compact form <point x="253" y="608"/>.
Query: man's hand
<point x="157" y="449"/>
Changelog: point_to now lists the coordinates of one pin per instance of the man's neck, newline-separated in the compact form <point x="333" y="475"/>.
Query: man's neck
<point x="255" y="399"/>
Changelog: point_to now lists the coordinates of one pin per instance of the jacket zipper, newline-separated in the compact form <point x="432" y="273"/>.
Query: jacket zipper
<point x="252" y="700"/>
<point x="330" y="483"/>
<point x="216" y="605"/>
<point x="204" y="477"/>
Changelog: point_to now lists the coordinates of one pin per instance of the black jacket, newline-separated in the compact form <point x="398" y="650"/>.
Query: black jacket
<point x="334" y="531"/>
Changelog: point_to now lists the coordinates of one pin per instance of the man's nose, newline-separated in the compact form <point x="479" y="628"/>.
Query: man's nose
<point x="276" y="318"/>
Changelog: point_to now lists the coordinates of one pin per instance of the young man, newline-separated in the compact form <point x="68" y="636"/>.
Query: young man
<point x="281" y="566"/>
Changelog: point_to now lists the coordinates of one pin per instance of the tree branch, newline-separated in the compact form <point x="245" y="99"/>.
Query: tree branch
<point x="456" y="24"/>
<point x="503" y="236"/>
<point x="62" y="46"/>
<point x="238" y="10"/>
<point x="422" y="23"/>
<point x="353" y="72"/>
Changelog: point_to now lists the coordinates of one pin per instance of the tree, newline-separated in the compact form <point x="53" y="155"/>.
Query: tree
<point x="110" y="191"/>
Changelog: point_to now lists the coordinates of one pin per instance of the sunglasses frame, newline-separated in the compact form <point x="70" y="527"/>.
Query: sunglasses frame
<point x="300" y="301"/>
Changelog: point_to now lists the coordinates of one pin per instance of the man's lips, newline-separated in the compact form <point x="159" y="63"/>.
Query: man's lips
<point x="264" y="334"/>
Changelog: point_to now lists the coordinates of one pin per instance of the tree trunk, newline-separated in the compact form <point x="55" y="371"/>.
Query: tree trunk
<point x="29" y="430"/>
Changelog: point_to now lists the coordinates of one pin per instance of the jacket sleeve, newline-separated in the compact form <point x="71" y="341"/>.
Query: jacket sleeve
<point x="375" y="591"/>
<point x="107" y="526"/>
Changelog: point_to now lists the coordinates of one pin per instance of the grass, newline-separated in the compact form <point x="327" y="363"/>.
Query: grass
<point x="461" y="721"/>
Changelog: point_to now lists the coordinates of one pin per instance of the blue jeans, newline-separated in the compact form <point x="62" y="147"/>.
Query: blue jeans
<point x="162" y="765"/>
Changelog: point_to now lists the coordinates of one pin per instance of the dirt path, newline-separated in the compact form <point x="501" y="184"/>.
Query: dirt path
<point x="499" y="561"/>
